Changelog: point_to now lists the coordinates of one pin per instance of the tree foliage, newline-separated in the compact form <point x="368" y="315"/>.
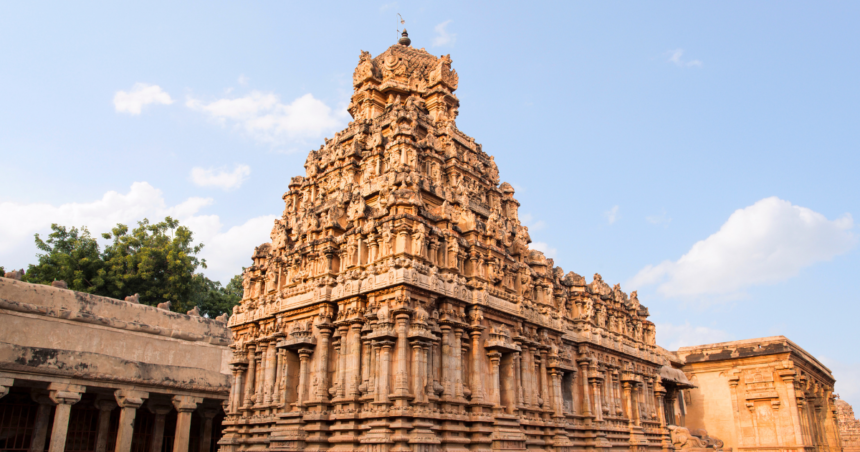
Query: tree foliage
<point x="158" y="261"/>
<point x="71" y="255"/>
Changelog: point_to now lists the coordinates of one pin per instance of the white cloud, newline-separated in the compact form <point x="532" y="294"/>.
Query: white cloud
<point x="220" y="177"/>
<point x="847" y="377"/>
<point x="545" y="249"/>
<point x="243" y="80"/>
<point x="767" y="242"/>
<point x="140" y="95"/>
<point x="676" y="57"/>
<point x="661" y="219"/>
<point x="443" y="36"/>
<point x="612" y="215"/>
<point x="534" y="225"/>
<point x="264" y="118"/>
<point x="672" y="337"/>
<point x="225" y="251"/>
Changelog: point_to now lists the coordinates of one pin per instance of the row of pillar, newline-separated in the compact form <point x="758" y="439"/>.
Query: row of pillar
<point x="63" y="396"/>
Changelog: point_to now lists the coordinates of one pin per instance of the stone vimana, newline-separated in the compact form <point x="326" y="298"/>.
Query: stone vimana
<point x="398" y="306"/>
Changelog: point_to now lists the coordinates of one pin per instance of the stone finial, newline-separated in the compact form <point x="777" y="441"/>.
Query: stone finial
<point x="166" y="305"/>
<point x="404" y="39"/>
<point x="194" y="312"/>
<point x="60" y="284"/>
<point x="133" y="298"/>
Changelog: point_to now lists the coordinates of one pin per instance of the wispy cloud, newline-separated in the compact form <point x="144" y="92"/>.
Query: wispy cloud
<point x="534" y="225"/>
<point x="544" y="248"/>
<point x="661" y="219"/>
<point x="140" y="95"/>
<point x="220" y="177"/>
<point x="672" y="337"/>
<point x="847" y="376"/>
<point x="225" y="251"/>
<point x="387" y="7"/>
<point x="264" y="118"/>
<point x="676" y="57"/>
<point x="765" y="243"/>
<point x="612" y="215"/>
<point x="443" y="36"/>
<point x="243" y="80"/>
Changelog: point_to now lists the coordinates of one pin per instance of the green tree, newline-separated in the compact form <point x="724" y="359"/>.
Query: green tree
<point x="71" y="255"/>
<point x="157" y="261"/>
<point x="213" y="299"/>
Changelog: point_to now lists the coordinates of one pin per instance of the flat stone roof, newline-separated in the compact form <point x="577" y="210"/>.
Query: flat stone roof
<point x="748" y="348"/>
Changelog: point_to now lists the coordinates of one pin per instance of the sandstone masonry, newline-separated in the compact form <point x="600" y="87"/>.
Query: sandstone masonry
<point x="398" y="306"/>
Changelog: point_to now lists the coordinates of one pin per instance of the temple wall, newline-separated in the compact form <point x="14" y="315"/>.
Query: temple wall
<point x="81" y="363"/>
<point x="780" y="397"/>
<point x="710" y="405"/>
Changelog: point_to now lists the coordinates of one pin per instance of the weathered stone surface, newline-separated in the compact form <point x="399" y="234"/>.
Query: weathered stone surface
<point x="759" y="395"/>
<point x="61" y="333"/>
<point x="398" y="306"/>
<point x="849" y="426"/>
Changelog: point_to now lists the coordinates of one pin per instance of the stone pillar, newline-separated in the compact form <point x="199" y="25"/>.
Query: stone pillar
<point x="659" y="393"/>
<point x="206" y="428"/>
<point x="280" y="362"/>
<point x="605" y="393"/>
<point x="384" y="371"/>
<point x="525" y="381"/>
<point x="271" y="368"/>
<point x="340" y="350"/>
<point x="419" y="367"/>
<point x="401" y="376"/>
<point x="261" y="374"/>
<point x="366" y="362"/>
<point x="447" y="368"/>
<point x="105" y="406"/>
<point x="430" y="369"/>
<point x="129" y="402"/>
<point x="322" y="361"/>
<point x="64" y="396"/>
<point x="185" y="405"/>
<point x="5" y="384"/>
<point x="595" y="393"/>
<point x="458" y="363"/>
<point x="628" y="402"/>
<point x="616" y="393"/>
<point x="557" y="399"/>
<point x="477" y="385"/>
<point x="573" y="393"/>
<point x="544" y="387"/>
<point x="495" y="361"/>
<point x="583" y="377"/>
<point x="160" y="411"/>
<point x="518" y="374"/>
<point x="249" y="380"/>
<point x="634" y="400"/>
<point x="354" y="360"/>
<point x="302" y="390"/>
<point x="43" y="418"/>
<point x="235" y="389"/>
<point x="372" y="385"/>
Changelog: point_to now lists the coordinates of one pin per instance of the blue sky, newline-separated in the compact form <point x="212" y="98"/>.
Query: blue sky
<point x="704" y="154"/>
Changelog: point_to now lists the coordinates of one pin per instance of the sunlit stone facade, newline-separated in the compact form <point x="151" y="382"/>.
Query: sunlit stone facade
<point x="398" y="306"/>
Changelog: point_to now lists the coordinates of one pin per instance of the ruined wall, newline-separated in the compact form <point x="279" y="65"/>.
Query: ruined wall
<point x="849" y="427"/>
